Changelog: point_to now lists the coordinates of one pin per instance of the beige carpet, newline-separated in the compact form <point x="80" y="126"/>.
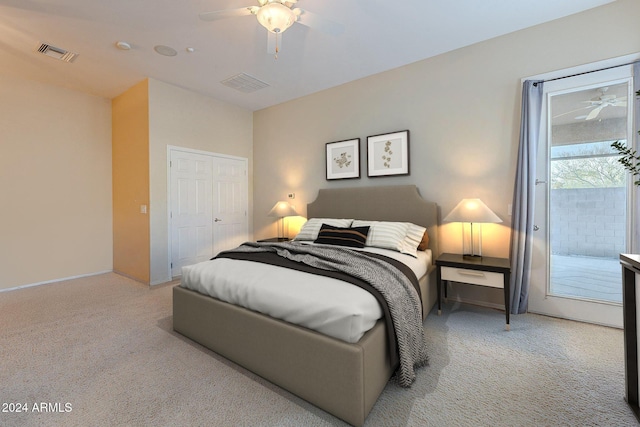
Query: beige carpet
<point x="100" y="351"/>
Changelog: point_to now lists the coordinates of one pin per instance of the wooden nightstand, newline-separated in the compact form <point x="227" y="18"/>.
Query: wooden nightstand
<point x="275" y="239"/>
<point x="483" y="271"/>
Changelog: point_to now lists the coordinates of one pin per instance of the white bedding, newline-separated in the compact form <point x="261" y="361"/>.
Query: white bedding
<point x="329" y="306"/>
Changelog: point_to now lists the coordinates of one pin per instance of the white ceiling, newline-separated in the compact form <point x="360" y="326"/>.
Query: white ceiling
<point x="378" y="35"/>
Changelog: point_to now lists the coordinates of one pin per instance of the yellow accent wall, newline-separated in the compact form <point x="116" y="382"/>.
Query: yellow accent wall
<point x="130" y="152"/>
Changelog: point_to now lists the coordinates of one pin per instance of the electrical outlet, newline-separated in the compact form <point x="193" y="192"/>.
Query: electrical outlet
<point x="291" y="195"/>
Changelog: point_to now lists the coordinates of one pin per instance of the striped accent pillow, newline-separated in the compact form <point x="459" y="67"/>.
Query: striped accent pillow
<point x="352" y="237"/>
<point x="311" y="228"/>
<point x="384" y="234"/>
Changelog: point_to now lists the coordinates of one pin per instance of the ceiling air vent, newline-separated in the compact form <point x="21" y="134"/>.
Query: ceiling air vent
<point x="244" y="83"/>
<point x="57" y="53"/>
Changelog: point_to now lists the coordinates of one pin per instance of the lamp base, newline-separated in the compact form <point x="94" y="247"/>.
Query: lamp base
<point x="472" y="241"/>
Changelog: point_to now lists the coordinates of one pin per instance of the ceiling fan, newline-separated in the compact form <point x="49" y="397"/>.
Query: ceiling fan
<point x="602" y="101"/>
<point x="597" y="104"/>
<point x="277" y="16"/>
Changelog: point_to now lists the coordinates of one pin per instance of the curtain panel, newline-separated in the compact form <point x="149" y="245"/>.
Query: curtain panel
<point x="524" y="195"/>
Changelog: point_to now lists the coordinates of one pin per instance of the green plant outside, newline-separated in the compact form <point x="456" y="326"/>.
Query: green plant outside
<point x="630" y="158"/>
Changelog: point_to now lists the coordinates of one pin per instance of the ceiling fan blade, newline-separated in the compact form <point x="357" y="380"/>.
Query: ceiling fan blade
<point x="317" y="22"/>
<point x="224" y="14"/>
<point x="569" y="112"/>
<point x="594" y="113"/>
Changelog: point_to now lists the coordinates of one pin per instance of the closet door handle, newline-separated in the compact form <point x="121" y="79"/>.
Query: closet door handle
<point x="217" y="220"/>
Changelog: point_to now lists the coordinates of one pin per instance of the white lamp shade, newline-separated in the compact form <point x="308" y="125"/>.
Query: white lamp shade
<point x="282" y="209"/>
<point x="472" y="210"/>
<point x="276" y="17"/>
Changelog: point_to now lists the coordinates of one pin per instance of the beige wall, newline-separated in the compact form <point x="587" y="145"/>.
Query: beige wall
<point x="55" y="183"/>
<point x="179" y="117"/>
<point x="130" y="145"/>
<point x="463" y="112"/>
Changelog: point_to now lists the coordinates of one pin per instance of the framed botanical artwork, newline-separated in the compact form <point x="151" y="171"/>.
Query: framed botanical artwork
<point x="343" y="159"/>
<point x="388" y="154"/>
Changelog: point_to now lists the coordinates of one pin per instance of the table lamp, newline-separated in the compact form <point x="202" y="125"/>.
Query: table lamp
<point x="280" y="210"/>
<point x="473" y="212"/>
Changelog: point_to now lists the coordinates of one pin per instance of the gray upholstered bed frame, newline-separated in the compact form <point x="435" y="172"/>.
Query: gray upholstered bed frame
<point x="341" y="378"/>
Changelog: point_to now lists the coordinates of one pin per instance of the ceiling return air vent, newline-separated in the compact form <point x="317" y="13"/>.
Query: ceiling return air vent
<point x="57" y="53"/>
<point x="244" y="83"/>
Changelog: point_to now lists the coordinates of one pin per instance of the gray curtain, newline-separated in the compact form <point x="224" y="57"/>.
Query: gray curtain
<point x="523" y="196"/>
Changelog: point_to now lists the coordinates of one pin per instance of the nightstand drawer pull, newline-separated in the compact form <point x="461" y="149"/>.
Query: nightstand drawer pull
<point x="471" y="273"/>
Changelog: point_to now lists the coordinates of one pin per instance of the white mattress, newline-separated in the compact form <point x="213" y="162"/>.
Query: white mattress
<point x="329" y="306"/>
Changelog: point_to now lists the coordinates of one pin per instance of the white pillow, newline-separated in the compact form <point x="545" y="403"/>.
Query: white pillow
<point x="385" y="234"/>
<point x="311" y="228"/>
<point x="412" y="239"/>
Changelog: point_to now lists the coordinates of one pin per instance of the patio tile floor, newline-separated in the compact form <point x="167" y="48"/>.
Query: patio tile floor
<point x="587" y="277"/>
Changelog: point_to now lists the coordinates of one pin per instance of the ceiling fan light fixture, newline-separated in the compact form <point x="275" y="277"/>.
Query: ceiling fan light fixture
<point x="276" y="17"/>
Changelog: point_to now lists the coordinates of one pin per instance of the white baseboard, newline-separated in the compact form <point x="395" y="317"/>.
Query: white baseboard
<point x="156" y="282"/>
<point x="47" y="282"/>
<point x="163" y="281"/>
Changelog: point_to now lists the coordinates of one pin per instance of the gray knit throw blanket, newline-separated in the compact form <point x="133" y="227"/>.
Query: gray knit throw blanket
<point x="403" y="300"/>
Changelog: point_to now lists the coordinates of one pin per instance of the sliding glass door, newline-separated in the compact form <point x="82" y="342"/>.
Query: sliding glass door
<point x="583" y="198"/>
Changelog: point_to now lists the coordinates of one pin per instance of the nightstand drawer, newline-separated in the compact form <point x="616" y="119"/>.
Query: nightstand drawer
<point x="476" y="277"/>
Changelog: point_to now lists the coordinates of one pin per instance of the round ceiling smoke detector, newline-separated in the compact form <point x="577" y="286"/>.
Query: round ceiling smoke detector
<point x="123" y="45"/>
<point x="165" y="50"/>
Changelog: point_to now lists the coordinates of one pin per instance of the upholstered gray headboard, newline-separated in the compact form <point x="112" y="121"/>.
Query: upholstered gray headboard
<point x="386" y="203"/>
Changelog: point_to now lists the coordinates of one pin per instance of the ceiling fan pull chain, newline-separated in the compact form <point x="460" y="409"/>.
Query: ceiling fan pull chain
<point x="277" y="46"/>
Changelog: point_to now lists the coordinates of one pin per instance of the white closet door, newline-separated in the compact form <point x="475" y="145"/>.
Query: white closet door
<point x="230" y="203"/>
<point x="208" y="206"/>
<point x="191" y="210"/>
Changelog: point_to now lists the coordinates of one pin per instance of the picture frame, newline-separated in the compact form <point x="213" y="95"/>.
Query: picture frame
<point x="343" y="159"/>
<point x="388" y="154"/>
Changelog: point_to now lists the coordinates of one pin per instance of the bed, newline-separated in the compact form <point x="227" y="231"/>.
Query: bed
<point x="341" y="378"/>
